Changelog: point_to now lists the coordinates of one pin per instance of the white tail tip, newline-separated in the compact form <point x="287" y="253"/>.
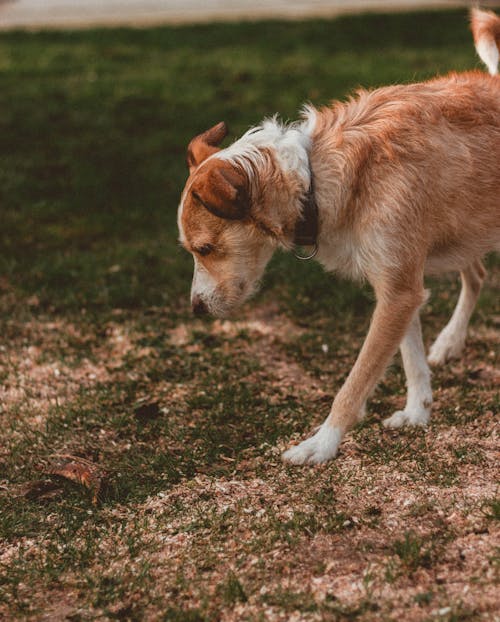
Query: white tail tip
<point x="486" y="32"/>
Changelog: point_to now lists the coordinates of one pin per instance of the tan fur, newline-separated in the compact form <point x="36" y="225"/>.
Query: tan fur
<point x="205" y="145"/>
<point x="222" y="190"/>
<point x="407" y="182"/>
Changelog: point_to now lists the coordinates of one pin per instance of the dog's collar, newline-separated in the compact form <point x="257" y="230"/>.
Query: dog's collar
<point x="306" y="229"/>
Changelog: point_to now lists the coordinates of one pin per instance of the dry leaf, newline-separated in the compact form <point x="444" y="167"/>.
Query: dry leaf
<point x="147" y="412"/>
<point x="80" y="471"/>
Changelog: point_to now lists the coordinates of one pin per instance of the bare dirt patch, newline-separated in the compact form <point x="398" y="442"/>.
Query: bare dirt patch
<point x="403" y="525"/>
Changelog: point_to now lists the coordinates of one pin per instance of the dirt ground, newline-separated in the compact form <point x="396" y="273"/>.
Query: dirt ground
<point x="402" y="525"/>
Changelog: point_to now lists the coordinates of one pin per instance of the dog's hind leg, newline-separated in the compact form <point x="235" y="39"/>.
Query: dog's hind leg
<point x="392" y="316"/>
<point x="418" y="378"/>
<point x="451" y="339"/>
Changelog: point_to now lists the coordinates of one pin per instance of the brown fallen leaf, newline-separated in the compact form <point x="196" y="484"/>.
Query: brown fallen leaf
<point x="78" y="470"/>
<point x="147" y="412"/>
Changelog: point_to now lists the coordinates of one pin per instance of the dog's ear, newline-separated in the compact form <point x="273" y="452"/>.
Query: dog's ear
<point x="204" y="145"/>
<point x="223" y="191"/>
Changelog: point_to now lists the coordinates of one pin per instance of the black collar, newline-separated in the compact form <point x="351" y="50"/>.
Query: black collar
<point x="306" y="228"/>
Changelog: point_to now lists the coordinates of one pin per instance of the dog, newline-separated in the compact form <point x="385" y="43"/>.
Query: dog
<point x="395" y="183"/>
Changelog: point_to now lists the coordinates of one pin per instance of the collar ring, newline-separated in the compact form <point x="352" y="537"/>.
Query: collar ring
<point x="307" y="257"/>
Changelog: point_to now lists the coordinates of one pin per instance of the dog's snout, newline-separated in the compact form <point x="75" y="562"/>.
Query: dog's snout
<point x="199" y="307"/>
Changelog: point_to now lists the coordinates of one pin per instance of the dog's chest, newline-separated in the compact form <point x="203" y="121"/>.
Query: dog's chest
<point x="342" y="253"/>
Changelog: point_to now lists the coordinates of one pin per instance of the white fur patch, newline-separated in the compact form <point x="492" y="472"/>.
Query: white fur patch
<point x="180" y="209"/>
<point x="448" y="345"/>
<point x="319" y="448"/>
<point x="405" y="417"/>
<point x="309" y="115"/>
<point x="203" y="284"/>
<point x="290" y="144"/>
<point x="488" y="53"/>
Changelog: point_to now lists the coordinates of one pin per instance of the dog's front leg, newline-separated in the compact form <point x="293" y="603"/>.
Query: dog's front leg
<point x="392" y="316"/>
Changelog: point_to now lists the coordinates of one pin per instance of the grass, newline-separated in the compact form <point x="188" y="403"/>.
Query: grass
<point x="413" y="551"/>
<point x="197" y="518"/>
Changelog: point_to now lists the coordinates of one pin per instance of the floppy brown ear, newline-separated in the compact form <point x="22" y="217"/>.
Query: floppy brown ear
<point x="204" y="145"/>
<point x="223" y="191"/>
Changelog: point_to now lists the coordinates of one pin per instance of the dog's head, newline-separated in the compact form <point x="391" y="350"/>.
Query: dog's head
<point x="238" y="205"/>
<point x="216" y="225"/>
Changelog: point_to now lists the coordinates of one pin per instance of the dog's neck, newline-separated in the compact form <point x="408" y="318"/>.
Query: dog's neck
<point x="306" y="228"/>
<point x="293" y="154"/>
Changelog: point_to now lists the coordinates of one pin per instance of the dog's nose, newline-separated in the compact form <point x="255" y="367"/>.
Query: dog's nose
<point x="199" y="307"/>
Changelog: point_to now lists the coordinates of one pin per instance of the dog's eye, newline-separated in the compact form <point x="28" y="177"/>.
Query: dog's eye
<point x="205" y="250"/>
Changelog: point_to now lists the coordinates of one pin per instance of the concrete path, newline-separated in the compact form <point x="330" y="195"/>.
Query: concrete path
<point x="35" y="14"/>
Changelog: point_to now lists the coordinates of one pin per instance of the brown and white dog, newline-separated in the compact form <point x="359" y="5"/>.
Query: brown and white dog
<point x="406" y="182"/>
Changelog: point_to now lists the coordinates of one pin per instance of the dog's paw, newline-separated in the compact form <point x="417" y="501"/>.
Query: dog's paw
<point x="445" y="348"/>
<point x="407" y="417"/>
<point x="319" y="448"/>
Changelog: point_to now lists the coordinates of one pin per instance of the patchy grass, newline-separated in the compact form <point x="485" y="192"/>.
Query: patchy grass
<point x="197" y="518"/>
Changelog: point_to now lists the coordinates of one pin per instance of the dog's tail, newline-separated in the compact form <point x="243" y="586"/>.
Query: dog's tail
<point x="485" y="27"/>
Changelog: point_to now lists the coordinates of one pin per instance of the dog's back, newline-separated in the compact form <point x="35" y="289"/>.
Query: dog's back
<point x="423" y="156"/>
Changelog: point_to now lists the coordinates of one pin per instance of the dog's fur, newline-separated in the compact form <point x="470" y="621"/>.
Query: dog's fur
<point x="407" y="181"/>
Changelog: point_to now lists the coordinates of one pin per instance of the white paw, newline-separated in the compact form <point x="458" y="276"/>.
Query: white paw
<point x="445" y="347"/>
<point x="317" y="449"/>
<point x="407" y="417"/>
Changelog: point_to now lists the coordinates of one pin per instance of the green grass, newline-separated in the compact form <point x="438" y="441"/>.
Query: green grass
<point x="413" y="551"/>
<point x="197" y="515"/>
<point x="94" y="127"/>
